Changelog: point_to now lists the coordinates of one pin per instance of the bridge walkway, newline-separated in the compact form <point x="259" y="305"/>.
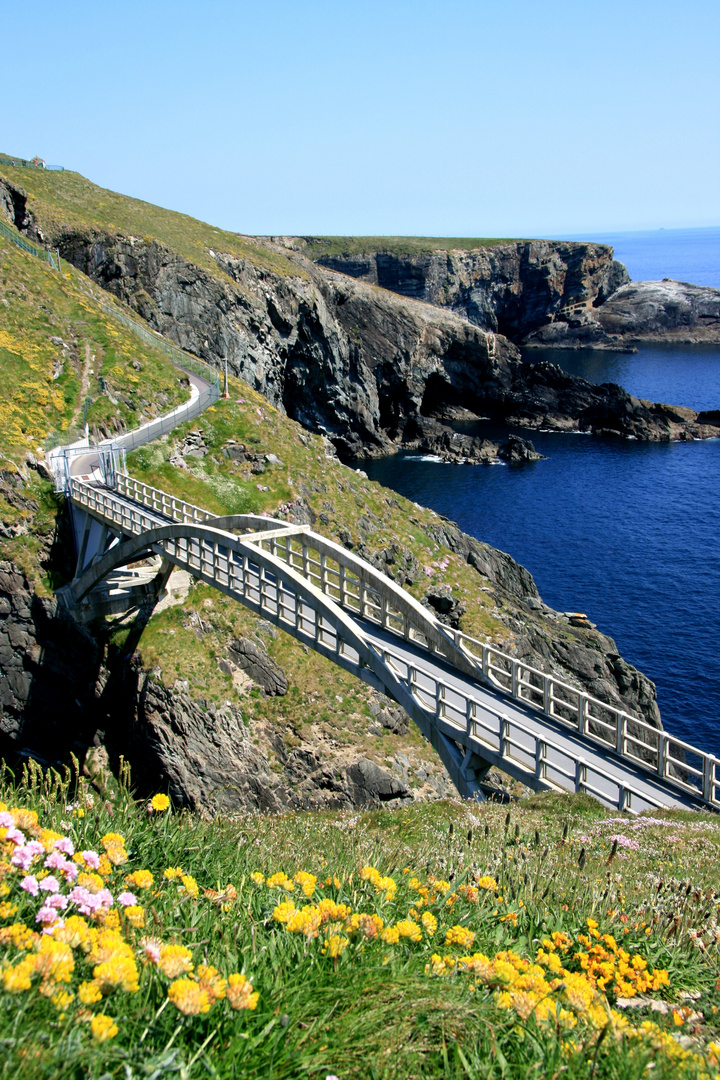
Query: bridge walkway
<point x="477" y="706"/>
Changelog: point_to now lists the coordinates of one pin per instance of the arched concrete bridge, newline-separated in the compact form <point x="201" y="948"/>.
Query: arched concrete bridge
<point x="477" y="706"/>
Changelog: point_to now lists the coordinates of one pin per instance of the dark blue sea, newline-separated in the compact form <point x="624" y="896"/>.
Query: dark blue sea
<point x="625" y="531"/>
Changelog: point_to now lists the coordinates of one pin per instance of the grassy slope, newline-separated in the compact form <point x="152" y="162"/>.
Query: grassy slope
<point x="62" y="201"/>
<point x="36" y="304"/>
<point x="377" y="1010"/>
<point x="318" y="246"/>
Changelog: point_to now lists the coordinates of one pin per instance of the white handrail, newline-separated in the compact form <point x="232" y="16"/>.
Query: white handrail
<point x="455" y="710"/>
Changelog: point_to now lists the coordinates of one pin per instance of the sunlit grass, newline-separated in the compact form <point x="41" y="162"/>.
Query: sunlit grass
<point x="445" y="940"/>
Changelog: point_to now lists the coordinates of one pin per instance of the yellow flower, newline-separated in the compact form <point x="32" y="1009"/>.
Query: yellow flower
<point x="211" y="981"/>
<point x="173" y="872"/>
<point x="407" y="928"/>
<point x="240" y="993"/>
<point x="188" y="997"/>
<point x="390" y="935"/>
<point x="120" y="973"/>
<point x="74" y="933"/>
<point x="135" y="915"/>
<point x="284" y="912"/>
<point x="306" y="882"/>
<point x="89" y="993"/>
<point x="429" y="923"/>
<point x="459" y="935"/>
<point x="103" y="1027"/>
<point x="140" y="879"/>
<point x="160" y="803"/>
<point x="54" y="960"/>
<point x="175" y="960"/>
<point x="335" y="945"/>
<point x="62" y="999"/>
<point x="19" y="978"/>
<point x="280" y="881"/>
<point x="7" y="910"/>
<point x="189" y="885"/>
<point x="257" y="878"/>
<point x="487" y="882"/>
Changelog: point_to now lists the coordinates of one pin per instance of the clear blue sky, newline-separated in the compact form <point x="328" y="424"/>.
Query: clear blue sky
<point x="454" y="118"/>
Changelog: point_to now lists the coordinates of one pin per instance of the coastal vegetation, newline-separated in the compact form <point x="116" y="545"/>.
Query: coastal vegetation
<point x="441" y="940"/>
<point x="67" y="201"/>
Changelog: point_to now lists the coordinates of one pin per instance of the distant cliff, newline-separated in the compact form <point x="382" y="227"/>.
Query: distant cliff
<point x="536" y="292"/>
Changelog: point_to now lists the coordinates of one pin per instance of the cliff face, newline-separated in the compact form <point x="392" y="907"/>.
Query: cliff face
<point x="352" y="360"/>
<point x="542" y="293"/>
<point x="511" y="289"/>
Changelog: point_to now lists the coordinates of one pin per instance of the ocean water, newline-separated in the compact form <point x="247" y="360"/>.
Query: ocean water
<point x="683" y="254"/>
<point x="625" y="531"/>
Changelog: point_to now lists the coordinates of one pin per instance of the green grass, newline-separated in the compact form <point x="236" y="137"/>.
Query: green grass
<point x="44" y="384"/>
<point x="381" y="1008"/>
<point x="318" y="246"/>
<point x="66" y="201"/>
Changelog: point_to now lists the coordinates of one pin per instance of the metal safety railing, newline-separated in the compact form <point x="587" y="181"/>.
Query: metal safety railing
<point x="27" y="245"/>
<point x="183" y="359"/>
<point x="360" y="589"/>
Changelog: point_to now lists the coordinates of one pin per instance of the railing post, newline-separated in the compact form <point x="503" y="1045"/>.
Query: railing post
<point x="620" y="741"/>
<point x="515" y="679"/>
<point x="504" y="734"/>
<point x="708" y="779"/>
<point x="662" y="754"/>
<point x="547" y="696"/>
<point x="582" y="714"/>
<point x="540" y="752"/>
<point x="580" y="774"/>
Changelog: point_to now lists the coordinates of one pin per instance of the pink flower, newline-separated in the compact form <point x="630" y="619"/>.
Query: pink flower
<point x="50" y="884"/>
<point x="58" y="901"/>
<point x="56" y="861"/>
<point x="127" y="899"/>
<point x="86" y="902"/>
<point x="92" y="859"/>
<point x="46" y="914"/>
<point x="105" y="897"/>
<point x="15" y="836"/>
<point x="152" y="951"/>
<point x="70" y="870"/>
<point x="30" y="884"/>
<point x="6" y="820"/>
<point x="65" y="844"/>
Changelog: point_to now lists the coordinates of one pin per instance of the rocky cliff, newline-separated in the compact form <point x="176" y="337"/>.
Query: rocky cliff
<point x="511" y="289"/>
<point x="539" y="292"/>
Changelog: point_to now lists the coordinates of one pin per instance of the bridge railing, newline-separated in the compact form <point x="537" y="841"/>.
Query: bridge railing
<point x="363" y="592"/>
<point x="160" y="502"/>
<point x="651" y="748"/>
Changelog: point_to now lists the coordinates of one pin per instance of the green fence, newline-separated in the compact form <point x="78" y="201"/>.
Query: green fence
<point x="27" y="245"/>
<point x="151" y="337"/>
<point x="25" y="164"/>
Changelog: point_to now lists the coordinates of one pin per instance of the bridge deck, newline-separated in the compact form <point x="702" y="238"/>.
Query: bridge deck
<point x="472" y="724"/>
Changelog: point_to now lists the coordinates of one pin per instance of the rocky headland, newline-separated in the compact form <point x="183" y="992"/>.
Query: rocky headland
<point x="539" y="293"/>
